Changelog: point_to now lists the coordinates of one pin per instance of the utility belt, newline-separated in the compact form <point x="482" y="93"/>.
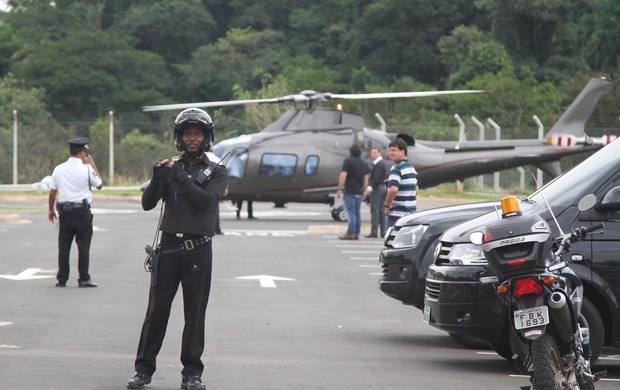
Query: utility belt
<point x="183" y="245"/>
<point x="64" y="207"/>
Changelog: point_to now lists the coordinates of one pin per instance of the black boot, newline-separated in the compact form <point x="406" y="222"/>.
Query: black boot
<point x="192" y="382"/>
<point x="138" y="381"/>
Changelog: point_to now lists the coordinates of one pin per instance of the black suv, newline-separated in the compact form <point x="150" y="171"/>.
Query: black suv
<point x="456" y="302"/>
<point x="409" y="249"/>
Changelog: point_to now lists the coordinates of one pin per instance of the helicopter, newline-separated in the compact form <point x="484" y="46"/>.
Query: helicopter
<point x="298" y="157"/>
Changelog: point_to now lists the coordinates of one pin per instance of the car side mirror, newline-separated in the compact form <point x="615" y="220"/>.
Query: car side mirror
<point x="611" y="200"/>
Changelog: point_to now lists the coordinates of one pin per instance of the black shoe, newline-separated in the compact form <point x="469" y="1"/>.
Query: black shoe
<point x="347" y="236"/>
<point x="252" y="218"/>
<point x="371" y="236"/>
<point x="86" y="283"/>
<point x="219" y="232"/>
<point x="138" y="381"/>
<point x="192" y="382"/>
<point x="61" y="284"/>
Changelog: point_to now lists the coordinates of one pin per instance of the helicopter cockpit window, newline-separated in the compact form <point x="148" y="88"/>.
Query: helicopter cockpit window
<point x="312" y="165"/>
<point x="272" y="164"/>
<point x="237" y="162"/>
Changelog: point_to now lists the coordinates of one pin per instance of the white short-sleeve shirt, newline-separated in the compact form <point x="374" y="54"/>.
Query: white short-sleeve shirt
<point x="73" y="179"/>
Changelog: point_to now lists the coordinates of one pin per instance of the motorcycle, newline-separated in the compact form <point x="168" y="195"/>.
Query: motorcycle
<point x="543" y="294"/>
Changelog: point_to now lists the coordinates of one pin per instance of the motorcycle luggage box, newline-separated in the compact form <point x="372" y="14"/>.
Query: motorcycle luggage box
<point x="517" y="244"/>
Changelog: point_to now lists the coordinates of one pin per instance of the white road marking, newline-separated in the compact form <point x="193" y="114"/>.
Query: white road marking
<point x="98" y="211"/>
<point x="6" y="346"/>
<point x="264" y="233"/>
<point x="266" y="281"/>
<point x="5" y="323"/>
<point x="27" y="274"/>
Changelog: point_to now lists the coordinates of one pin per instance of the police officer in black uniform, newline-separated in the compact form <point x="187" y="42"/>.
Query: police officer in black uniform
<point x="190" y="188"/>
<point x="74" y="179"/>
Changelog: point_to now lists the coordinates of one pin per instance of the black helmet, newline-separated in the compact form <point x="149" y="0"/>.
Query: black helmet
<point x="196" y="117"/>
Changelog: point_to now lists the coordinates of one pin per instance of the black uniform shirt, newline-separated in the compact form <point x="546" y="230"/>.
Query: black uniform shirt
<point x="356" y="169"/>
<point x="190" y="208"/>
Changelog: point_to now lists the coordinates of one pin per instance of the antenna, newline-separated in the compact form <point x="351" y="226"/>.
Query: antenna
<point x="549" y="207"/>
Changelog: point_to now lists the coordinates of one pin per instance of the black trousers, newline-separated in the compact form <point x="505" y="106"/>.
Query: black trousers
<point x="78" y="224"/>
<point x="193" y="270"/>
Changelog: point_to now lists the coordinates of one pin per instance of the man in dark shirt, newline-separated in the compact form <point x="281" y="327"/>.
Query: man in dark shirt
<point x="353" y="180"/>
<point x="190" y="188"/>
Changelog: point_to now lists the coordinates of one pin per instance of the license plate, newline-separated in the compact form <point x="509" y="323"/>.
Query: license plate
<point x="534" y="316"/>
<point x="427" y="313"/>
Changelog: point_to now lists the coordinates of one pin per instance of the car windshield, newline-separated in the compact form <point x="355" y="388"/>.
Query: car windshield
<point x="570" y="187"/>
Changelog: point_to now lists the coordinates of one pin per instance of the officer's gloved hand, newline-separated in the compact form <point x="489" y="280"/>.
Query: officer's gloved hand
<point x="177" y="172"/>
<point x="159" y="171"/>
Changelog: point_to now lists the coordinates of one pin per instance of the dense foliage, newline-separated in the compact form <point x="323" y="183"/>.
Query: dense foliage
<point x="65" y="64"/>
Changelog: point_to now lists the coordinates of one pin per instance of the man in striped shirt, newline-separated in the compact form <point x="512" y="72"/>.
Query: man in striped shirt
<point x="402" y="184"/>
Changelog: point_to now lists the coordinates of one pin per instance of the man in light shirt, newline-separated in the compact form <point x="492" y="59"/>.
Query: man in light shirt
<point x="71" y="183"/>
<point x="402" y="184"/>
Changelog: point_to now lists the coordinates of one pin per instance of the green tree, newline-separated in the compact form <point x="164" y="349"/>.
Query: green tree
<point x="468" y="52"/>
<point x="171" y="28"/>
<point x="241" y="58"/>
<point x="599" y="32"/>
<point x="512" y="99"/>
<point x="41" y="140"/>
<point x="92" y="72"/>
<point x="540" y="34"/>
<point x="36" y="21"/>
<point x="396" y="38"/>
<point x="136" y="154"/>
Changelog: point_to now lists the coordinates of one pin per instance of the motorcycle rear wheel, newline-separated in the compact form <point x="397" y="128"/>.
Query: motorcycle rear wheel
<point x="547" y="364"/>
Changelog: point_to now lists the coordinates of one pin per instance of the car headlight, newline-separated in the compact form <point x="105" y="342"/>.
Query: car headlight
<point x="409" y="236"/>
<point x="466" y="254"/>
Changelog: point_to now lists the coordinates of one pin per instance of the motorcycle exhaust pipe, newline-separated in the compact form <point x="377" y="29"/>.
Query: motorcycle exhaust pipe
<point x="560" y="313"/>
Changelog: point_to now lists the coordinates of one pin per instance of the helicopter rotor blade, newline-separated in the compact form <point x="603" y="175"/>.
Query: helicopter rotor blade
<point x="167" y="107"/>
<point x="392" y="95"/>
<point x="305" y="97"/>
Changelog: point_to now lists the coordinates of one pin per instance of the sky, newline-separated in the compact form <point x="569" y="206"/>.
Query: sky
<point x="3" y="6"/>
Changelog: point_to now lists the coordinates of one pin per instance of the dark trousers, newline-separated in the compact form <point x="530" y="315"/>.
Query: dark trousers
<point x="193" y="270"/>
<point x="377" y="211"/>
<point x="76" y="223"/>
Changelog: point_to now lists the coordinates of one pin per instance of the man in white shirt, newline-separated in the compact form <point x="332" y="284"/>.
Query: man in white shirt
<point x="73" y="179"/>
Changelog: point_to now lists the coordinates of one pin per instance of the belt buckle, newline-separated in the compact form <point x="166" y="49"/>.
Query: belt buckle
<point x="189" y="245"/>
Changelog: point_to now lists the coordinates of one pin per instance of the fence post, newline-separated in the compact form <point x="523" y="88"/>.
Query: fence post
<point x="541" y="128"/>
<point x="111" y="157"/>
<point x="15" y="129"/>
<point x="481" y="137"/>
<point x="498" y="131"/>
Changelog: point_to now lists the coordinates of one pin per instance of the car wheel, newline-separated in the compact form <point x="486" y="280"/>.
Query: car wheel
<point x="338" y="214"/>
<point x="597" y="329"/>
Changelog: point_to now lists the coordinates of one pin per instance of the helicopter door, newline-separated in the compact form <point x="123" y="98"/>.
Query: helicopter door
<point x="237" y="163"/>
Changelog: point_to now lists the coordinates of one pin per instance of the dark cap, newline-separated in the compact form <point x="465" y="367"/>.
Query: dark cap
<point x="80" y="142"/>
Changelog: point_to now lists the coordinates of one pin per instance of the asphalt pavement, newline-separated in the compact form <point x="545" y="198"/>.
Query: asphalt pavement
<point x="291" y="307"/>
